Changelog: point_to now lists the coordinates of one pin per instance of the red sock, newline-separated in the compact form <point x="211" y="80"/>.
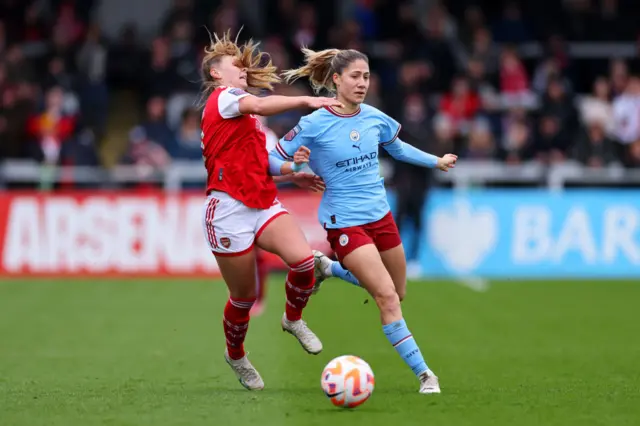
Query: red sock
<point x="236" y="323"/>
<point x="300" y="280"/>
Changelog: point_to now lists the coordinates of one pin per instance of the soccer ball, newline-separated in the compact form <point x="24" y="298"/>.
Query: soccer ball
<point x="347" y="381"/>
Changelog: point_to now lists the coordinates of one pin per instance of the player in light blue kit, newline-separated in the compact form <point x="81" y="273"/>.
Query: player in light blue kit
<point x="342" y="147"/>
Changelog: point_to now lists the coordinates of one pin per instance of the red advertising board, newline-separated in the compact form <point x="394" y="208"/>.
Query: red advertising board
<point x="120" y="233"/>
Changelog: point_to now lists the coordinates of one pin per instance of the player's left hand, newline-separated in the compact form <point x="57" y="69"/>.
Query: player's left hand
<point x="309" y="181"/>
<point x="302" y="155"/>
<point x="446" y="162"/>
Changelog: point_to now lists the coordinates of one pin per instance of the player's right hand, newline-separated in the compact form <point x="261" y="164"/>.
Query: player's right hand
<point x="447" y="162"/>
<point x="319" y="102"/>
<point x="302" y="155"/>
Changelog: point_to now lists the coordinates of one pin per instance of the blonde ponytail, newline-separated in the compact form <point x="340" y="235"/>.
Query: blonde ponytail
<point x="261" y="73"/>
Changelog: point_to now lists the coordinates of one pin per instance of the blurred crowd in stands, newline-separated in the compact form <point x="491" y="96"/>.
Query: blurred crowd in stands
<point x="454" y="76"/>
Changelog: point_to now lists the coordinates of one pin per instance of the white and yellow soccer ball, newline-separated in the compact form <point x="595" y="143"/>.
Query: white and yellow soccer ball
<point x="348" y="381"/>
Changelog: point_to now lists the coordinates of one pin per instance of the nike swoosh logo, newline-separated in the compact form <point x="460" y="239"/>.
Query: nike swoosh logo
<point x="333" y="395"/>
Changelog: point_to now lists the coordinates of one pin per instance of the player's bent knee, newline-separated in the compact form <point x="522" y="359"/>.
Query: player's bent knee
<point x="388" y="302"/>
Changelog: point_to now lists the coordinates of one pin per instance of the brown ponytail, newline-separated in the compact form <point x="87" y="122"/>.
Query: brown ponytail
<point x="320" y="67"/>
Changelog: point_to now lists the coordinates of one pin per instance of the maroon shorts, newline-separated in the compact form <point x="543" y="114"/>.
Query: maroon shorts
<point x="383" y="233"/>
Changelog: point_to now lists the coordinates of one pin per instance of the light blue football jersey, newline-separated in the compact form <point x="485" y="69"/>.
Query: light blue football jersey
<point x="344" y="152"/>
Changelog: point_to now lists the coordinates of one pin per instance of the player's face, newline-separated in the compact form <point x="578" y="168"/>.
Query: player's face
<point x="353" y="83"/>
<point x="230" y="72"/>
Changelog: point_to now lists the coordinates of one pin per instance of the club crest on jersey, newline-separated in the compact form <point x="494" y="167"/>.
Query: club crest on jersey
<point x="292" y="133"/>
<point x="226" y="242"/>
<point x="344" y="240"/>
<point x="354" y="136"/>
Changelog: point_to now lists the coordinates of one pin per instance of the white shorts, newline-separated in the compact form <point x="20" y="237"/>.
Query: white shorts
<point x="230" y="227"/>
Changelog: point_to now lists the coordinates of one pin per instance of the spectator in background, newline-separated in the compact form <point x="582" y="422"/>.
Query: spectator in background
<point x="548" y="69"/>
<point x="484" y="49"/>
<point x="68" y="26"/>
<point x="155" y="125"/>
<point x="559" y="120"/>
<point x="460" y="105"/>
<point x="16" y="105"/>
<point x="474" y="20"/>
<point x="160" y="77"/>
<point x="126" y="60"/>
<point x="364" y="14"/>
<point x="188" y="139"/>
<point x="551" y="146"/>
<point x="80" y="150"/>
<point x="439" y="30"/>
<point x="412" y="182"/>
<point x="512" y="28"/>
<point x="445" y="135"/>
<point x="184" y="62"/>
<point x="35" y="32"/>
<point x="16" y="67"/>
<point x="481" y="144"/>
<point x="305" y="30"/>
<point x="480" y="84"/>
<point x="51" y="129"/>
<point x="93" y="91"/>
<point x="181" y="10"/>
<point x="58" y="75"/>
<point x="517" y="141"/>
<point x="626" y="113"/>
<point x="619" y="76"/>
<point x="143" y="152"/>
<point x="557" y="49"/>
<point x="514" y="81"/>
<point x="597" y="106"/>
<point x="593" y="148"/>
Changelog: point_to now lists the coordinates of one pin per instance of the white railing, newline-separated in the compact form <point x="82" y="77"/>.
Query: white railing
<point x="466" y="174"/>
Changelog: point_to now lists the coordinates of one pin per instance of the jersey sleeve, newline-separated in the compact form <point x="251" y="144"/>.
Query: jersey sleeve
<point x="390" y="129"/>
<point x="229" y="102"/>
<point x="300" y="135"/>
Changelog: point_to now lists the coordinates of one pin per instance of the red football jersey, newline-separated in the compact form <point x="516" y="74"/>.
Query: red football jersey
<point x="234" y="150"/>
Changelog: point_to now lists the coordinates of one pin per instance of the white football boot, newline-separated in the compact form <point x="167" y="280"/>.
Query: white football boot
<point x="303" y="333"/>
<point x="429" y="383"/>
<point x="321" y="269"/>
<point x="246" y="373"/>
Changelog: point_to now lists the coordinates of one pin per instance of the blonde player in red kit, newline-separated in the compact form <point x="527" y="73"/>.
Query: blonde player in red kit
<point x="242" y="209"/>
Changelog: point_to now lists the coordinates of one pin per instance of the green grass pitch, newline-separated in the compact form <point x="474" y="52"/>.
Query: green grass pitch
<point x="145" y="352"/>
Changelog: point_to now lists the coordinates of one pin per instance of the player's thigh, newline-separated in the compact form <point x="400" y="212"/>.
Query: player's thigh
<point x="387" y="240"/>
<point x="228" y="226"/>
<point x="395" y="261"/>
<point x="281" y="235"/>
<point x="239" y="273"/>
<point x="366" y="265"/>
<point x="228" y="230"/>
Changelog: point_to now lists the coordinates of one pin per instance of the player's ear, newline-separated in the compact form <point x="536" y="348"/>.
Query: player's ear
<point x="336" y="78"/>
<point x="214" y="74"/>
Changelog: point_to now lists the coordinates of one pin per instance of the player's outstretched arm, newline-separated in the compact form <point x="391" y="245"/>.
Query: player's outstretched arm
<point x="402" y="151"/>
<point x="279" y="167"/>
<point x="275" y="104"/>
